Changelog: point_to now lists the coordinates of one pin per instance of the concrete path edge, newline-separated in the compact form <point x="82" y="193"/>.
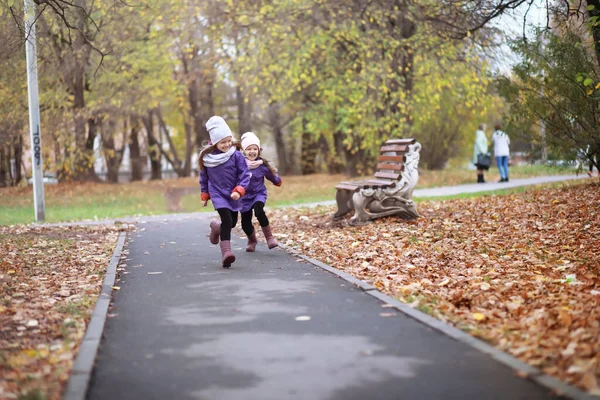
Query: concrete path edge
<point x="84" y="362"/>
<point x="527" y="371"/>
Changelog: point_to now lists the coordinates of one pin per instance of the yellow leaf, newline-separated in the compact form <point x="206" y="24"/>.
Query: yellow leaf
<point x="11" y="271"/>
<point x="478" y="316"/>
<point x="2" y="309"/>
<point x="598" y="85"/>
<point x="116" y="287"/>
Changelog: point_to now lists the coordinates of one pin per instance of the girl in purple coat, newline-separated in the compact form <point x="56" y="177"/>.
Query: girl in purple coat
<point x="224" y="179"/>
<point x="256" y="194"/>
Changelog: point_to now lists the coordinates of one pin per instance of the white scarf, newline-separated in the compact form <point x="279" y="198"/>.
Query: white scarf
<point x="214" y="160"/>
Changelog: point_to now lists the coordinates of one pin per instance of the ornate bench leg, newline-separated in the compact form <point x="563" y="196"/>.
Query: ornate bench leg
<point x="343" y="199"/>
<point x="361" y="217"/>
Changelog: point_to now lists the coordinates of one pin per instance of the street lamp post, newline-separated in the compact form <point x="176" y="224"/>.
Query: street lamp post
<point x="34" y="112"/>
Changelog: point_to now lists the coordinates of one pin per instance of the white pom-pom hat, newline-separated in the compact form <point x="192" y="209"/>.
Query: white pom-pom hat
<point x="248" y="139"/>
<point x="218" y="129"/>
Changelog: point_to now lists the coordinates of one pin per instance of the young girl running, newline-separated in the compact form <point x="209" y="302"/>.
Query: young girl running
<point x="224" y="178"/>
<point x="256" y="194"/>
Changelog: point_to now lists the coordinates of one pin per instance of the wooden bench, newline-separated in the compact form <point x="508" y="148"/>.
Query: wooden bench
<point x="390" y="192"/>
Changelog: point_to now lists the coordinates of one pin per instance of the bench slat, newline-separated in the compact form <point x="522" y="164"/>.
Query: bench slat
<point x="388" y="175"/>
<point x="354" y="186"/>
<point x="401" y="141"/>
<point x="347" y="186"/>
<point x="395" y="167"/>
<point x="382" y="182"/>
<point x="394" y="147"/>
<point x="397" y="159"/>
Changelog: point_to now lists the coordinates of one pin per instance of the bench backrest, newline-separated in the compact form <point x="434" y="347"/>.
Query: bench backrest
<point x="392" y="156"/>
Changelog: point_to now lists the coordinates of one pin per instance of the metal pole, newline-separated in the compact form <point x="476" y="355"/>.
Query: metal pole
<point x="34" y="112"/>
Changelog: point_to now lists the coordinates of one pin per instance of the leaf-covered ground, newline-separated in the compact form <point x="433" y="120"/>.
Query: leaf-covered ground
<point x="520" y="271"/>
<point x="50" y="279"/>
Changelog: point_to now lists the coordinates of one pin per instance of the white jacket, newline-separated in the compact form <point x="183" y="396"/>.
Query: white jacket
<point x="501" y="144"/>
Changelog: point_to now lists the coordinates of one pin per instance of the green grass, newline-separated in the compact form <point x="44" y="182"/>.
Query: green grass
<point x="84" y="209"/>
<point x="91" y="201"/>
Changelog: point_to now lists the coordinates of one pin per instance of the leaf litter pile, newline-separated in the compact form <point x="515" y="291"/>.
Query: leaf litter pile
<point x="520" y="271"/>
<point x="50" y="278"/>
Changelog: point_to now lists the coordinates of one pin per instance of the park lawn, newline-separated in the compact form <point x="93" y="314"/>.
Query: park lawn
<point x="50" y="278"/>
<point x="91" y="201"/>
<point x="521" y="271"/>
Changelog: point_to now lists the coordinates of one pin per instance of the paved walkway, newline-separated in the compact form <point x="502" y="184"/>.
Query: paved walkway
<point x="272" y="328"/>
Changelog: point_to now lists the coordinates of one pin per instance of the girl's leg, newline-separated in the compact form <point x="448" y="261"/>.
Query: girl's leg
<point x="226" y="223"/>
<point x="227" y="219"/>
<point x="247" y="223"/>
<point x="234" y="219"/>
<point x="264" y="224"/>
<point x="259" y="211"/>
<point x="249" y="231"/>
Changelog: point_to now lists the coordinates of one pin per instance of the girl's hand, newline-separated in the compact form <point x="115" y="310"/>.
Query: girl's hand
<point x="205" y="203"/>
<point x="235" y="196"/>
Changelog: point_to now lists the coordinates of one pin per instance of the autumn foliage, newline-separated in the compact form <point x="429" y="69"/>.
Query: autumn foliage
<point x="50" y="279"/>
<point x="520" y="271"/>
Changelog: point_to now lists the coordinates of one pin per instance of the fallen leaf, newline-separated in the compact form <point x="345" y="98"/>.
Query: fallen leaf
<point x="479" y="316"/>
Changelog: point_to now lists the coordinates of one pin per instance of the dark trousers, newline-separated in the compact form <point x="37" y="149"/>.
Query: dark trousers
<point x="259" y="211"/>
<point x="228" y="220"/>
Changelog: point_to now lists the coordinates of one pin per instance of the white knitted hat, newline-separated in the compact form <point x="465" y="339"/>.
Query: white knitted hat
<point x="249" y="138"/>
<point x="217" y="129"/>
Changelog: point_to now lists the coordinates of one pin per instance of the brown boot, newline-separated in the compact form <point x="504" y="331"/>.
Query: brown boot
<point x="215" y="231"/>
<point x="271" y="242"/>
<point x="227" y="256"/>
<point x="251" y="248"/>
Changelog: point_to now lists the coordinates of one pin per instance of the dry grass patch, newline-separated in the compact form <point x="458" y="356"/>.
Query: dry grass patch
<point x="521" y="271"/>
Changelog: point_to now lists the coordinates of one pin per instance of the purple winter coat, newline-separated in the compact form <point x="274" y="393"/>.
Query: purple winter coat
<point x="257" y="191"/>
<point x="220" y="181"/>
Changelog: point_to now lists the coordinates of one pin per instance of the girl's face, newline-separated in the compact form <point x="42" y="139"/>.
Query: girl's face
<point x="252" y="152"/>
<point x="224" y="144"/>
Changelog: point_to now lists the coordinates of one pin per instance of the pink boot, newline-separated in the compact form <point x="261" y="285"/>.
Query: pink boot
<point x="227" y="256"/>
<point x="271" y="242"/>
<point x="215" y="231"/>
<point x="251" y="248"/>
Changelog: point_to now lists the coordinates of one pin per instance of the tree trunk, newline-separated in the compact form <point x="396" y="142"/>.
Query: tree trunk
<point x="337" y="159"/>
<point x="310" y="147"/>
<point x="89" y="173"/>
<point x="18" y="149"/>
<point x="595" y="12"/>
<point x="173" y="159"/>
<point x="153" y="147"/>
<point x="112" y="156"/>
<point x="136" y="161"/>
<point x="244" y="111"/>
<point x="187" y="165"/>
<point x="283" y="164"/>
<point x="207" y="109"/>
<point x="4" y="163"/>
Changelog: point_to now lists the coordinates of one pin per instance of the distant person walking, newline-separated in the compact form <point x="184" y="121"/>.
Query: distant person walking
<point x="224" y="178"/>
<point x="256" y="195"/>
<point x="480" y="150"/>
<point x="501" y="151"/>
